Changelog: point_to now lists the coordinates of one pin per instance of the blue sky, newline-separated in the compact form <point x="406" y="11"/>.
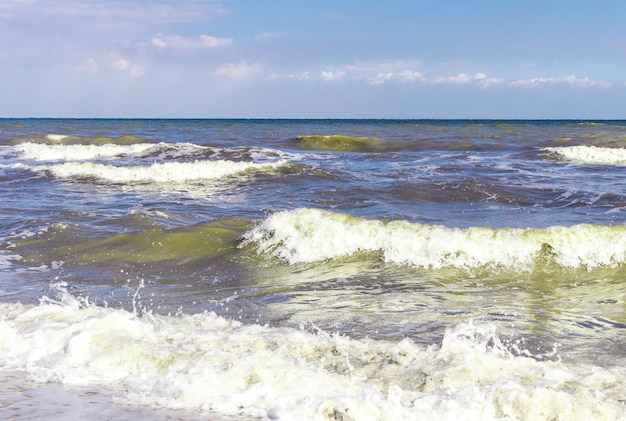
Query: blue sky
<point x="313" y="59"/>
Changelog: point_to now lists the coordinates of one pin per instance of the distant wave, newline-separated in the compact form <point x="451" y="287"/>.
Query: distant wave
<point x="591" y="154"/>
<point x="340" y="143"/>
<point x="311" y="235"/>
<point x="170" y="172"/>
<point x="62" y="139"/>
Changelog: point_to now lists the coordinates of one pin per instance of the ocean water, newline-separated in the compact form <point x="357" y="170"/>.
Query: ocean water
<point x="312" y="269"/>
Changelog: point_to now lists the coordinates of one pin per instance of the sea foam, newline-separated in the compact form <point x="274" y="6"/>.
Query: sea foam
<point x="207" y="363"/>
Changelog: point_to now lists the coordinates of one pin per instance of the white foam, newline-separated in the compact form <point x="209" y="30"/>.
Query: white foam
<point x="591" y="154"/>
<point x="6" y="260"/>
<point x="170" y="172"/>
<point x="311" y="235"/>
<point x="44" y="152"/>
<point x="207" y="363"/>
<point x="56" y="137"/>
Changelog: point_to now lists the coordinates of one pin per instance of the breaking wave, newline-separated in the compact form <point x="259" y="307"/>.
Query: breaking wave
<point x="591" y="154"/>
<point x="207" y="363"/>
<point x="169" y="172"/>
<point x="312" y="235"/>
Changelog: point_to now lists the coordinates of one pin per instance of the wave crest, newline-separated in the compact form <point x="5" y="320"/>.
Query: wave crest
<point x="591" y="154"/>
<point x="311" y="235"/>
<point x="170" y="172"/>
<point x="341" y="143"/>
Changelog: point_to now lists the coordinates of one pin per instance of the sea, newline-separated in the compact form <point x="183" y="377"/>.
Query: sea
<point x="155" y="269"/>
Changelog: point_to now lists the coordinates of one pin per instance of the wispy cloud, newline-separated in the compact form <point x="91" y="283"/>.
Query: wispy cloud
<point x="380" y="78"/>
<point x="124" y="65"/>
<point x="458" y="79"/>
<point x="378" y="73"/>
<point x="239" y="70"/>
<point x="484" y="80"/>
<point x="404" y="70"/>
<point x="65" y="31"/>
<point x="306" y="75"/>
<point x="410" y="76"/>
<point x="111" y="12"/>
<point x="384" y="66"/>
<point x="112" y="61"/>
<point x="212" y="41"/>
<point x="374" y="72"/>
<point x="188" y="44"/>
<point x="332" y="75"/>
<point x="90" y="66"/>
<point x="579" y="82"/>
<point x="263" y="36"/>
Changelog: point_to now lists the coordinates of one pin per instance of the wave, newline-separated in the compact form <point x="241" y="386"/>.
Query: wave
<point x="340" y="143"/>
<point x="61" y="139"/>
<point x="43" y="152"/>
<point x="312" y="235"/>
<point x="591" y="154"/>
<point x="209" y="364"/>
<point x="169" y="172"/>
<point x="172" y="247"/>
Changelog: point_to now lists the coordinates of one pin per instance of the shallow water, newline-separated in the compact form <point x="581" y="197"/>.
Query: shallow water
<point x="449" y="268"/>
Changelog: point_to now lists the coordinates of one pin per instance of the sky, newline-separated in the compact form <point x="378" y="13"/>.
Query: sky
<point x="505" y="59"/>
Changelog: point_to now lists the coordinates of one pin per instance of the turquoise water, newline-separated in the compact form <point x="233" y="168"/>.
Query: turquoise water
<point x="193" y="268"/>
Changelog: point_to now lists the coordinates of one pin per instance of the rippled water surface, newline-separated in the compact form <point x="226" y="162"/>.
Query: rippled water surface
<point x="205" y="265"/>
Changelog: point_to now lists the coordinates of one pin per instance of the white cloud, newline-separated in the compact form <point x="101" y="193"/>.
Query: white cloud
<point x="459" y="79"/>
<point x="375" y="72"/>
<point x="123" y="65"/>
<point x="384" y="66"/>
<point x="297" y="76"/>
<point x="380" y="78"/>
<point x="157" y="42"/>
<point x="332" y="75"/>
<point x="586" y="82"/>
<point x="212" y="41"/>
<point x="409" y="76"/>
<point x="378" y="73"/>
<point x="571" y="80"/>
<point x="188" y="44"/>
<point x="483" y="80"/>
<point x="239" y="70"/>
<point x="113" y="61"/>
<point x="534" y="81"/>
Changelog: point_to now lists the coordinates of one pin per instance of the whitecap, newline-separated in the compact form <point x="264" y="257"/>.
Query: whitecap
<point x="312" y="235"/>
<point x="169" y="172"/>
<point x="591" y="154"/>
